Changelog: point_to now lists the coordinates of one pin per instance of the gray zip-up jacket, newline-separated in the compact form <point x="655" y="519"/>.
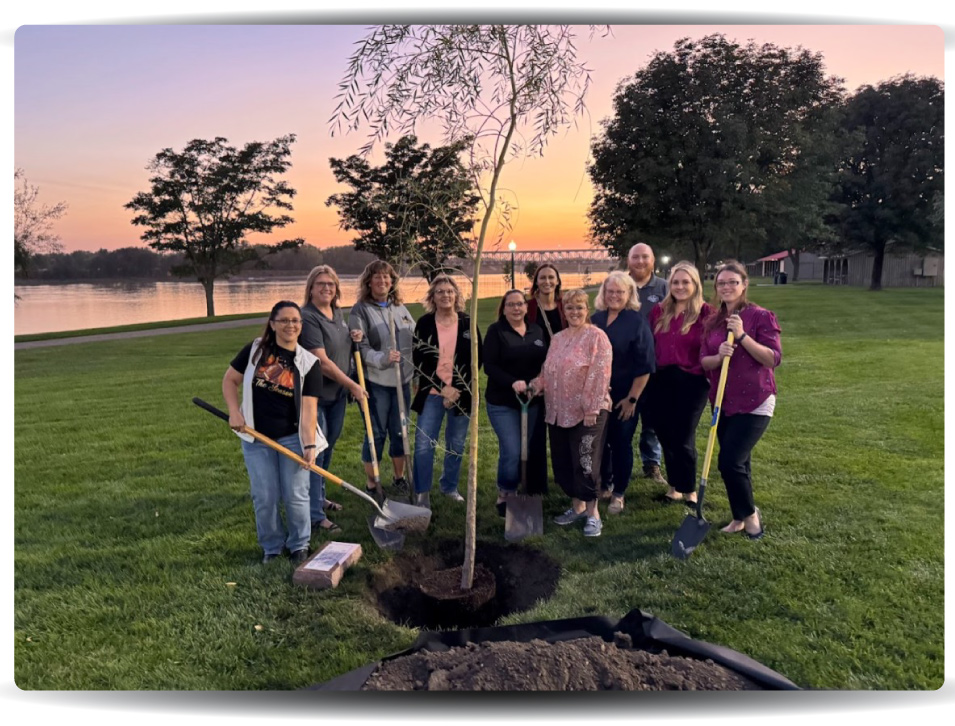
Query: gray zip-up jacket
<point x="374" y="321"/>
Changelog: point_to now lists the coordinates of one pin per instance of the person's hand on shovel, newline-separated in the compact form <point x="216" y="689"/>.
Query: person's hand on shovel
<point x="356" y="391"/>
<point x="520" y="388"/>
<point x="394" y="356"/>
<point x="309" y="452"/>
<point x="237" y="421"/>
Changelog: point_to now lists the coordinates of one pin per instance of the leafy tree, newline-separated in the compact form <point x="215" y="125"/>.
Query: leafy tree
<point x="418" y="205"/>
<point x="206" y="199"/>
<point x="487" y="82"/>
<point x="32" y="223"/>
<point x="530" y="269"/>
<point x="892" y="178"/>
<point x="698" y="140"/>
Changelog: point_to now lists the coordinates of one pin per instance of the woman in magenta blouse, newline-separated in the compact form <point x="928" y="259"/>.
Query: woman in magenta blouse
<point x="575" y="381"/>
<point x="750" y="395"/>
<point x="676" y="393"/>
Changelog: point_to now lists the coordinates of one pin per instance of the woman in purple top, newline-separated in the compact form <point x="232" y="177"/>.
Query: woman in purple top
<point x="676" y="393"/>
<point x="750" y="394"/>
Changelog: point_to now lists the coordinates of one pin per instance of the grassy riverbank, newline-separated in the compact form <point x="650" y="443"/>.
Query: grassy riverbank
<point x="132" y="516"/>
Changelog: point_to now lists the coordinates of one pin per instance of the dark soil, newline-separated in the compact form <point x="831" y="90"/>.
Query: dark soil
<point x="445" y="586"/>
<point x="584" y="664"/>
<point x="522" y="576"/>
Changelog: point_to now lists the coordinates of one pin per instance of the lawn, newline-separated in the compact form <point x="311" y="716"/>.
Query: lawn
<point x="132" y="518"/>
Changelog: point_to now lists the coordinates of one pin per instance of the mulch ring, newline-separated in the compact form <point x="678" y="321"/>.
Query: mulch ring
<point x="582" y="664"/>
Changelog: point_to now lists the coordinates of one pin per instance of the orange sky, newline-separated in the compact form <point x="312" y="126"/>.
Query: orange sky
<point x="95" y="103"/>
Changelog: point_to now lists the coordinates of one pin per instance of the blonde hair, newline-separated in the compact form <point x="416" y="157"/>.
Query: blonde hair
<point x="429" y="305"/>
<point x="310" y="280"/>
<point x="364" y="282"/>
<point x="693" y="306"/>
<point x="626" y="282"/>
<point x="577" y="293"/>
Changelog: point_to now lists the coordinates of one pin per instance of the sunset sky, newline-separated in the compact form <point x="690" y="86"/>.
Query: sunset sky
<point x="93" y="104"/>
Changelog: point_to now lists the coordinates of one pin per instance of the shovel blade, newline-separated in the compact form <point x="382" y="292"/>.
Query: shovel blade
<point x="524" y="517"/>
<point x="393" y="541"/>
<point x="403" y="517"/>
<point x="689" y="536"/>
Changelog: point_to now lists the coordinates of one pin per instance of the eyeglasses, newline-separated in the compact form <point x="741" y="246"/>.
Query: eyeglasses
<point x="729" y="283"/>
<point x="443" y="292"/>
<point x="324" y="284"/>
<point x="289" y="321"/>
<point x="615" y="292"/>
<point x="518" y="304"/>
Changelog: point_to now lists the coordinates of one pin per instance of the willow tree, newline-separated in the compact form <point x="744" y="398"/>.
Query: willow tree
<point x="509" y="87"/>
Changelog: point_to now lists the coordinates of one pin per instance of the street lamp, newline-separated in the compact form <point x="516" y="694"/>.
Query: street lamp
<point x="665" y="261"/>
<point x="511" y="246"/>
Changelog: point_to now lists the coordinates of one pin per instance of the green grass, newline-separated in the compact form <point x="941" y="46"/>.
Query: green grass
<point x="138" y="326"/>
<point x="132" y="514"/>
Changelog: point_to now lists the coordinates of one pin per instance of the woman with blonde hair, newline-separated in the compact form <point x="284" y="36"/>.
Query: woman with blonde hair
<point x="676" y="393"/>
<point x="379" y="306"/>
<point x="325" y="335"/>
<point x="629" y="334"/>
<point x="574" y="380"/>
<point x="749" y="398"/>
<point x="442" y="360"/>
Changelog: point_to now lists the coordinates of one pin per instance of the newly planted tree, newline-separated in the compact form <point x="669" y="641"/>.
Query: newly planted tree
<point x="492" y="83"/>
<point x="206" y="199"/>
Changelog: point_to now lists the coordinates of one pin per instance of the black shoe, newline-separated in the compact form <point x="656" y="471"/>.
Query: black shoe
<point x="400" y="484"/>
<point x="268" y="558"/>
<point x="298" y="556"/>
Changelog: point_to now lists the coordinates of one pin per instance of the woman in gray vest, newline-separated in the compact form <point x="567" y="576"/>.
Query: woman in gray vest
<point x="379" y="306"/>
<point x="325" y="334"/>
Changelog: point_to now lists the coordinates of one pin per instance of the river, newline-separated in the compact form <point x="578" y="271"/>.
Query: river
<point x="78" y="306"/>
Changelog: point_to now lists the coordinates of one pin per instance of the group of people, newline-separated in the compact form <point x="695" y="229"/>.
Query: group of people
<point x="650" y="354"/>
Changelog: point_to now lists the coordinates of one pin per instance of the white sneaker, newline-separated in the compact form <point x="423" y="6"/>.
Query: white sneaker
<point x="454" y="496"/>
<point x="593" y="527"/>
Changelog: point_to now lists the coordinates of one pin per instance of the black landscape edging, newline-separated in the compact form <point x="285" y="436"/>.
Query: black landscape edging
<point x="647" y="631"/>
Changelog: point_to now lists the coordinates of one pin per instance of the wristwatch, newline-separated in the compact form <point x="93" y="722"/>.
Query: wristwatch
<point x="632" y="400"/>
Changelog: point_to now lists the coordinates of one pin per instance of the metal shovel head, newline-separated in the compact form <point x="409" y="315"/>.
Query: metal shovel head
<point x="689" y="536"/>
<point x="403" y="517"/>
<point x="383" y="538"/>
<point x="524" y="517"/>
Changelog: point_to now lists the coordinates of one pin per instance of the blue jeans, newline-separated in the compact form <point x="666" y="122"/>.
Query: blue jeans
<point x="385" y="420"/>
<point x="650" y="450"/>
<point x="506" y="422"/>
<point x="426" y="439"/>
<point x="617" y="464"/>
<point x="331" y="418"/>
<point x="273" y="478"/>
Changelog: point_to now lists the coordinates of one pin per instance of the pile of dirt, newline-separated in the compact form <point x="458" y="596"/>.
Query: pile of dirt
<point x="583" y="664"/>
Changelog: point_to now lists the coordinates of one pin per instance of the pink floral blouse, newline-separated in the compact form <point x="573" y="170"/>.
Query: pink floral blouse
<point x="575" y="378"/>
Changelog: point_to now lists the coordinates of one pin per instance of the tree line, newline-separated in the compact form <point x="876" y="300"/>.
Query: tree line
<point x="143" y="263"/>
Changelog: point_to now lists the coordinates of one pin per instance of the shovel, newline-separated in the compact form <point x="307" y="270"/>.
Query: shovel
<point x="694" y="528"/>
<point x="393" y="518"/>
<point x="524" y="514"/>
<point x="371" y="436"/>
<point x="402" y="410"/>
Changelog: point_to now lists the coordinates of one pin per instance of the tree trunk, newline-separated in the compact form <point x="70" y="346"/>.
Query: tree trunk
<point x="879" y="250"/>
<point x="701" y="250"/>
<point x="794" y="257"/>
<point x="207" y="285"/>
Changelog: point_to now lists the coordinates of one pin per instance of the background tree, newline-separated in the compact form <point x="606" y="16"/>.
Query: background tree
<point x="697" y="140"/>
<point x="206" y="199"/>
<point x="32" y="223"/>
<point x="891" y="178"/>
<point x="419" y="205"/>
<point x="480" y="81"/>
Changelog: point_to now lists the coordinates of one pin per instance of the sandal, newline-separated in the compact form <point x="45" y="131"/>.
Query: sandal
<point x="328" y="525"/>
<point x="331" y="506"/>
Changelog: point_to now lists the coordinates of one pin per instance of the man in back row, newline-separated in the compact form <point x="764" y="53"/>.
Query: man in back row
<point x="651" y="289"/>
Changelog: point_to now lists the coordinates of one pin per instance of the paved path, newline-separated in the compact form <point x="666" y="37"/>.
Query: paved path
<point x="198" y="328"/>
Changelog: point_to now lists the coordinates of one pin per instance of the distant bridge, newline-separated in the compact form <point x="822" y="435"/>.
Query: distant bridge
<point x="576" y="259"/>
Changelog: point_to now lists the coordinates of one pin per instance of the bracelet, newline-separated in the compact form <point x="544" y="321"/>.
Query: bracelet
<point x="741" y="338"/>
<point x="310" y="446"/>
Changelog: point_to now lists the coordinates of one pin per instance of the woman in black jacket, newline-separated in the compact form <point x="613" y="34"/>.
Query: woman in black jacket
<point x="442" y="362"/>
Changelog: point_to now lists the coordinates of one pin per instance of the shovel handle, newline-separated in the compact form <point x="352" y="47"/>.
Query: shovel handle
<point x="366" y="412"/>
<point x="262" y="438"/>
<point x="711" y="439"/>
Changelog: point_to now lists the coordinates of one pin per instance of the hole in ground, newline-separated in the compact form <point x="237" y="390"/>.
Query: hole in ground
<point x="522" y="575"/>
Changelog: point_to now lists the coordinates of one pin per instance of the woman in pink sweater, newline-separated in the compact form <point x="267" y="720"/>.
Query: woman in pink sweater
<point x="575" y="381"/>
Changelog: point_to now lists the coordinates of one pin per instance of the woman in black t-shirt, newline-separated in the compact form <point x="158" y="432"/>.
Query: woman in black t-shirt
<point x="280" y="384"/>
<point x="514" y="351"/>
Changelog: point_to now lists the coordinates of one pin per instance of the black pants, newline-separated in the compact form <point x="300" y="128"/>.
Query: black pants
<point x="575" y="455"/>
<point x="675" y="400"/>
<point x="737" y="436"/>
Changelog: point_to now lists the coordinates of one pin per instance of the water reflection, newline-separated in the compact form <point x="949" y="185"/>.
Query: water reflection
<point x="53" y="308"/>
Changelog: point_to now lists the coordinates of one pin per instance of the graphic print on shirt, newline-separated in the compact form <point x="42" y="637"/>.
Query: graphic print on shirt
<point x="275" y="376"/>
